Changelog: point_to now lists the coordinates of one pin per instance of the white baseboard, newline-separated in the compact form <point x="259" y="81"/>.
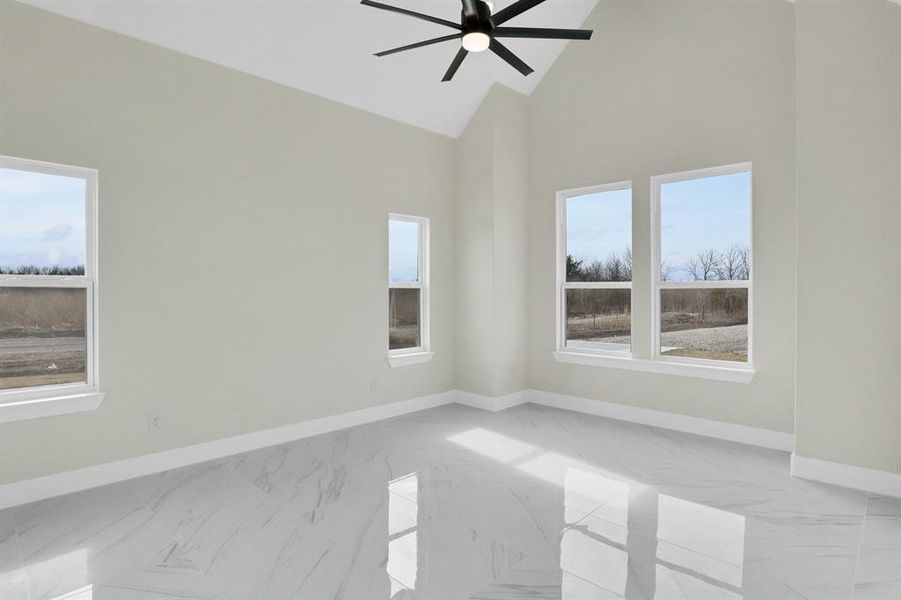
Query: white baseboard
<point x="859" y="478"/>
<point x="493" y="403"/>
<point x="754" y="436"/>
<point x="32" y="490"/>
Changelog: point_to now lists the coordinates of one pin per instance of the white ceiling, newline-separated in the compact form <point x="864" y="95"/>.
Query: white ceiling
<point x="325" y="47"/>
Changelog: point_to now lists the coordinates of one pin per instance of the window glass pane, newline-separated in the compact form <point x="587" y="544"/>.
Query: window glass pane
<point x="42" y="336"/>
<point x="42" y="223"/>
<point x="710" y="324"/>
<point x="403" y="318"/>
<point x="599" y="236"/>
<point x="403" y="251"/>
<point x="599" y="319"/>
<point x="705" y="228"/>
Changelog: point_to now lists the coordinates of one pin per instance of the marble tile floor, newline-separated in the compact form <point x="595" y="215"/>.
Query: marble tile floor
<point x="456" y="503"/>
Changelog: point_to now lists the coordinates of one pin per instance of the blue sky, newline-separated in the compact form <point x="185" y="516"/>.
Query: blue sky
<point x="701" y="214"/>
<point x="42" y="220"/>
<point x="403" y="251"/>
<point x="598" y="225"/>
<point x="695" y="215"/>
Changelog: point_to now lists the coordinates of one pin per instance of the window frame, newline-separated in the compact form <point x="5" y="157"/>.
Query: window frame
<point x="657" y="286"/>
<point x="406" y="356"/>
<point x="562" y="285"/>
<point x="45" y="400"/>
<point x="649" y="360"/>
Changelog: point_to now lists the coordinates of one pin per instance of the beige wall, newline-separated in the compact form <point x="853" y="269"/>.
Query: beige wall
<point x="491" y="240"/>
<point x="511" y="240"/>
<point x="243" y="232"/>
<point x="849" y="229"/>
<point x="222" y="193"/>
<point x="680" y="86"/>
<point x="474" y="254"/>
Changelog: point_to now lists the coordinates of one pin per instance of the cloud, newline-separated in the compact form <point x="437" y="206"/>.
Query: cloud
<point x="57" y="232"/>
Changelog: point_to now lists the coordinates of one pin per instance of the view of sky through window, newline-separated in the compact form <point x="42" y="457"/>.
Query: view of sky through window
<point x="403" y="251"/>
<point x="42" y="220"/>
<point x="598" y="225"/>
<point x="700" y="215"/>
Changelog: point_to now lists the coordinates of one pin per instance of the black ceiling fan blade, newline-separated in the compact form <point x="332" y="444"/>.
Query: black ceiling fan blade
<point x="542" y="33"/>
<point x="517" y="8"/>
<point x="411" y="13"/>
<point x="455" y="64"/>
<point x="469" y="9"/>
<point x="444" y="38"/>
<point x="515" y="62"/>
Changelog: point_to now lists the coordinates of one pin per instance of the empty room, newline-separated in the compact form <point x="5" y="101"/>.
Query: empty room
<point x="450" y="300"/>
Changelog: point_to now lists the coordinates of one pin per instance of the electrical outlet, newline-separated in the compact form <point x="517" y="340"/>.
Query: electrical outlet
<point x="153" y="422"/>
<point x="373" y="384"/>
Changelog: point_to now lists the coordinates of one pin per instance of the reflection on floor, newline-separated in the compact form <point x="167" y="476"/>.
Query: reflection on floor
<point x="457" y="503"/>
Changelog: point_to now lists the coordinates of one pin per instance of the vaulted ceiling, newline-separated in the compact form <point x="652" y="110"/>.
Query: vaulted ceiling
<point x="326" y="47"/>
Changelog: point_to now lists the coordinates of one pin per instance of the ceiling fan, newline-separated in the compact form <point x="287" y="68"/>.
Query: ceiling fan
<point x="479" y="29"/>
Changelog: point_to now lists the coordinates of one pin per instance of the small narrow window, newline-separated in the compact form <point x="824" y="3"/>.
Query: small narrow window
<point x="702" y="276"/>
<point x="595" y="269"/>
<point x="47" y="280"/>
<point x="408" y="288"/>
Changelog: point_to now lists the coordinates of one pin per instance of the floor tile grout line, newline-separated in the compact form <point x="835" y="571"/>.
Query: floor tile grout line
<point x="863" y="525"/>
<point x="540" y="560"/>
<point x="363" y="560"/>
<point x="21" y="557"/>
<point x="12" y="513"/>
<point x="657" y="539"/>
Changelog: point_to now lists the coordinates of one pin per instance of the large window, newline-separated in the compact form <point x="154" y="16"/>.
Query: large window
<point x="47" y="280"/>
<point x="702" y="270"/>
<point x="696" y="316"/>
<point x="408" y="289"/>
<point x="594" y="269"/>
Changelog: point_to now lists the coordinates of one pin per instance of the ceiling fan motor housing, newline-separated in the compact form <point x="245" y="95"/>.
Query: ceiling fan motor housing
<point x="481" y="21"/>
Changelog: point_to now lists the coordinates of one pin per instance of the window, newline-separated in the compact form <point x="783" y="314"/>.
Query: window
<point x="594" y="269"/>
<point x="408" y="290"/>
<point x="47" y="287"/>
<point x="701" y="276"/>
<point x="702" y="271"/>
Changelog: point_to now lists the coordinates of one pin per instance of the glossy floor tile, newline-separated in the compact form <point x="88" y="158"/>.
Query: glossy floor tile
<point x="455" y="503"/>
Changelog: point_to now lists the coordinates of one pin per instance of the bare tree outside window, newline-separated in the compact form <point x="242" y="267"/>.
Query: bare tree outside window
<point x="735" y="264"/>
<point x="706" y="265"/>
<point x="703" y="290"/>
<point x="596" y="294"/>
<point x="666" y="271"/>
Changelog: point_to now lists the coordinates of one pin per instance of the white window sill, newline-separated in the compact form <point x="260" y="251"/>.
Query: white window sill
<point x="412" y="358"/>
<point x="733" y="374"/>
<point x="47" y="406"/>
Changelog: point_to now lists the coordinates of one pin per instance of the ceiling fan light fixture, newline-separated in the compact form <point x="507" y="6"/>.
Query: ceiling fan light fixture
<point x="479" y="29"/>
<point x="476" y="41"/>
